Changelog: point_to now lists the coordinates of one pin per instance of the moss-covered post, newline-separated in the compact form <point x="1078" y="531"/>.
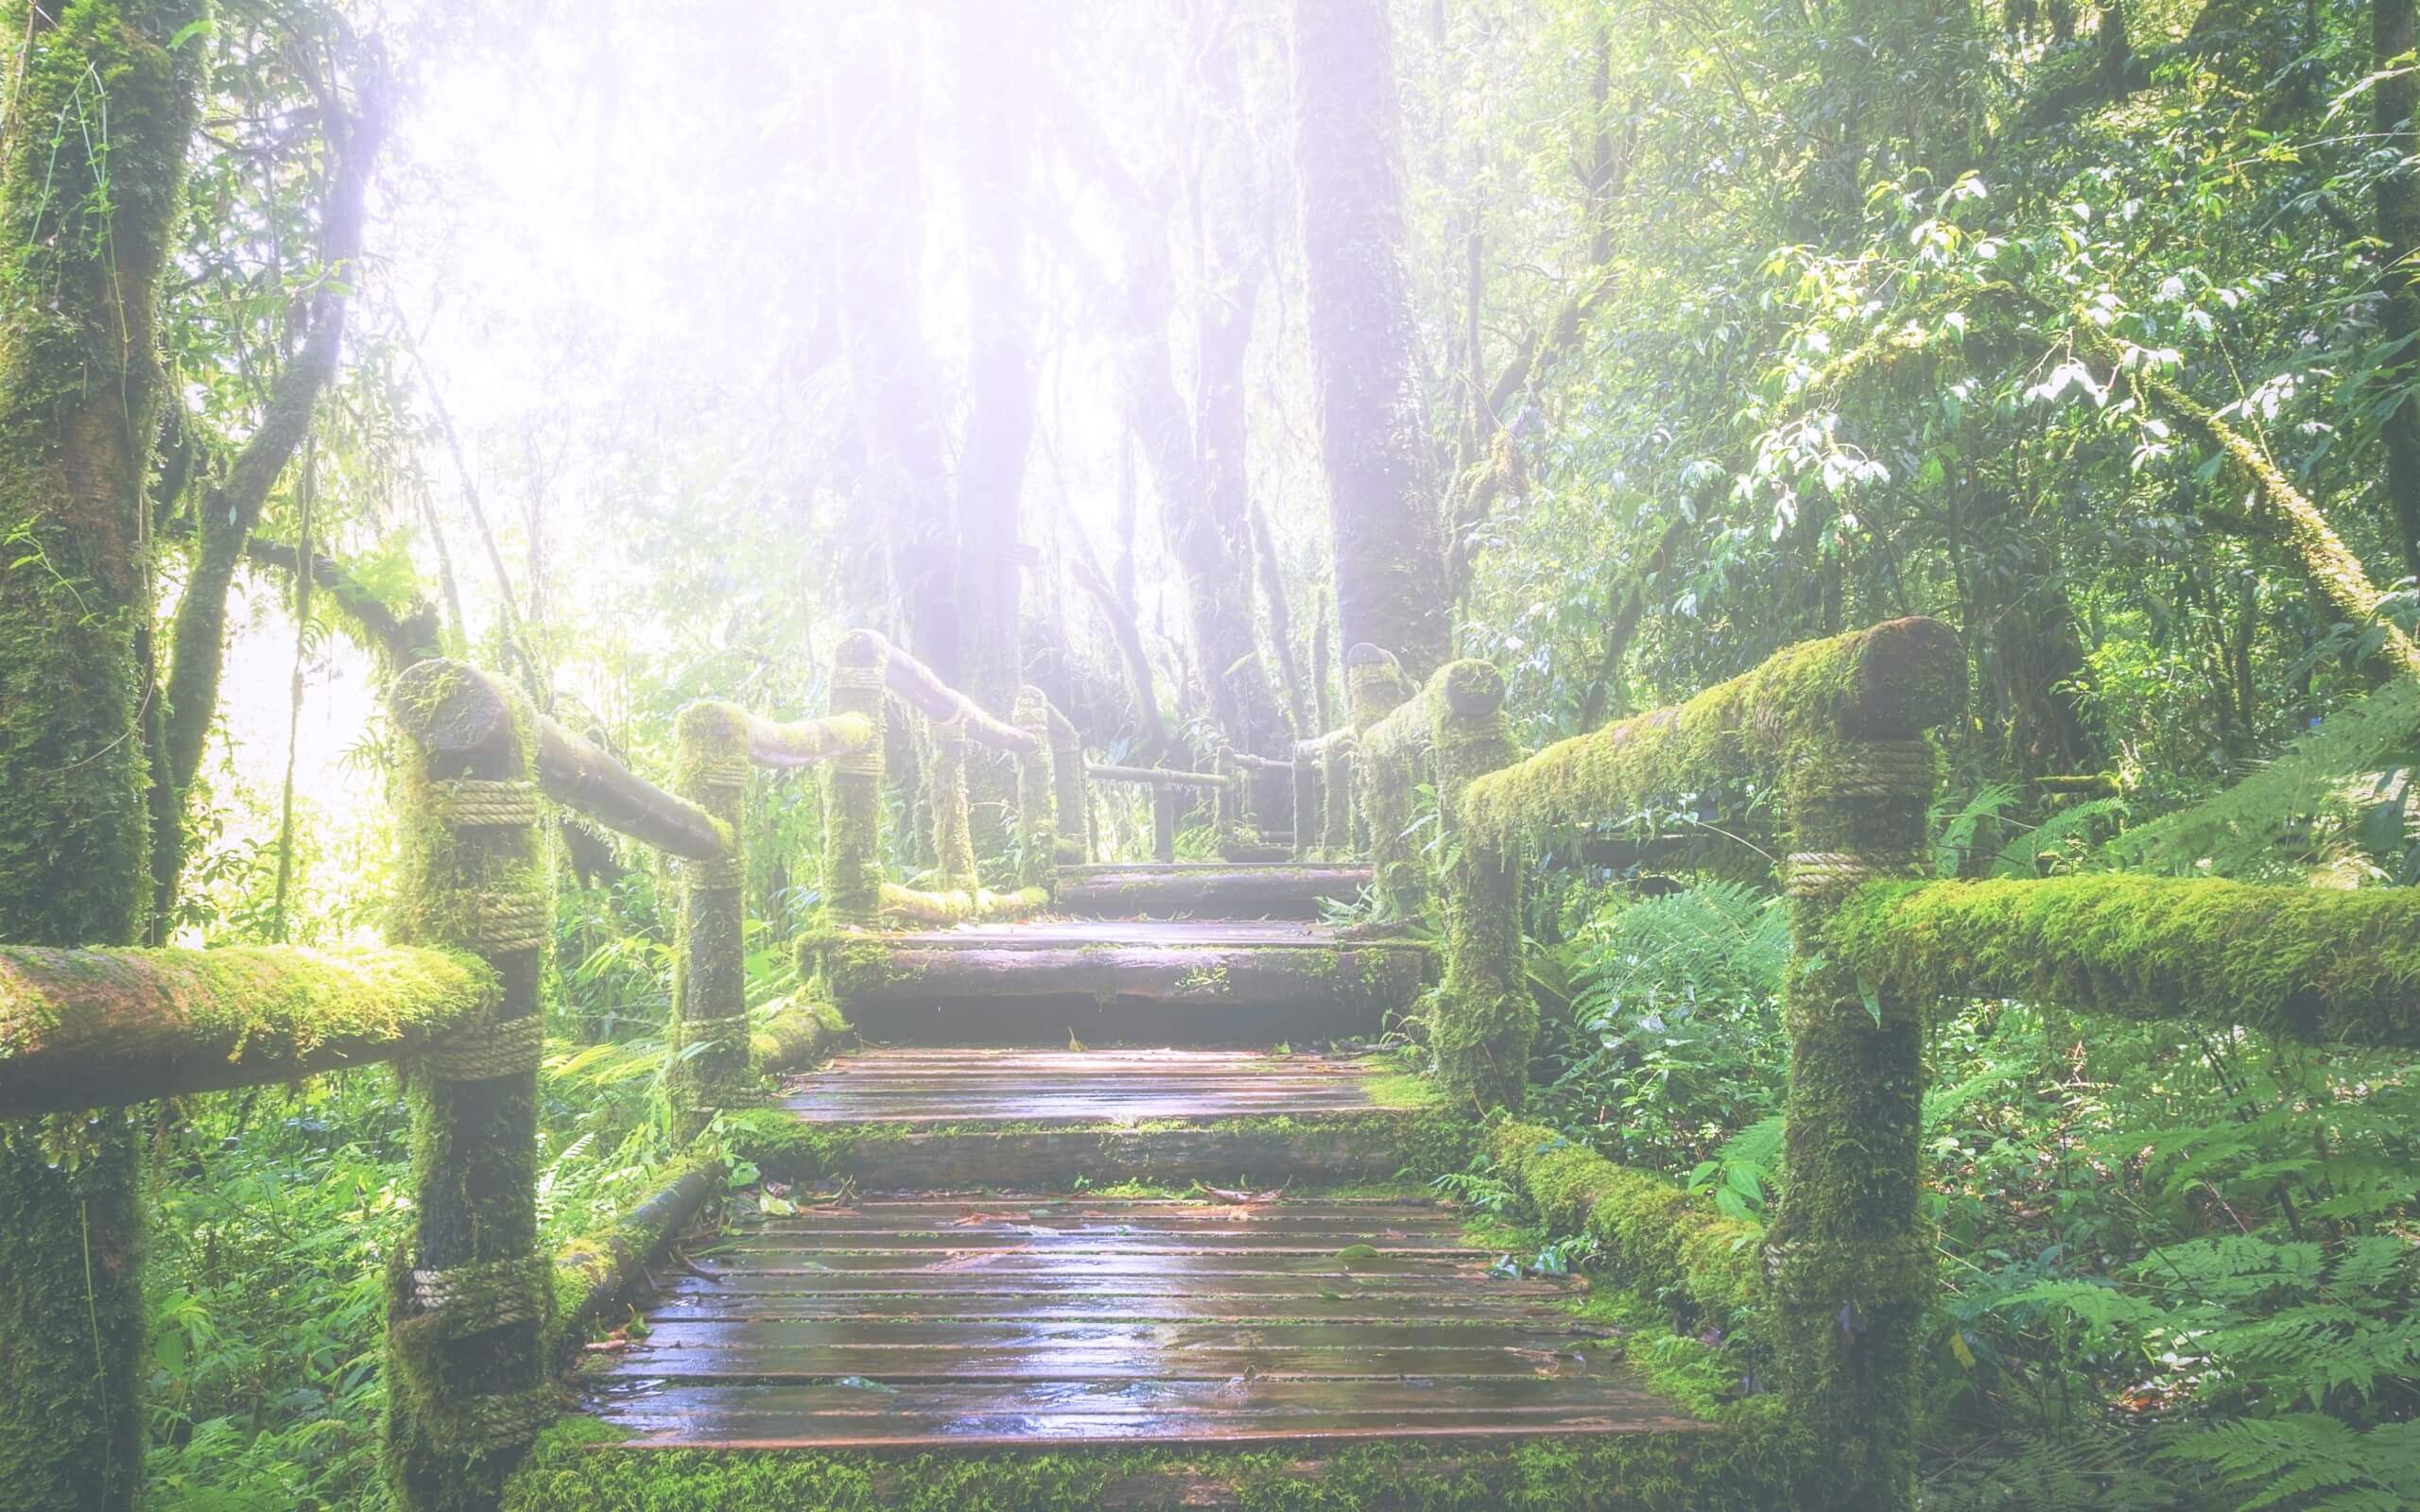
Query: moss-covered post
<point x="1227" y="799"/>
<point x="1374" y="687"/>
<point x="1163" y="824"/>
<point x="853" y="788"/>
<point x="1307" y="820"/>
<point x="1335" y="797"/>
<point x="707" y="1048"/>
<point x="1037" y="796"/>
<point x="1850" y="1260"/>
<point x="953" y="828"/>
<point x="468" y="1293"/>
<point x="101" y="110"/>
<point x="1484" y="1017"/>
<point x="1068" y="794"/>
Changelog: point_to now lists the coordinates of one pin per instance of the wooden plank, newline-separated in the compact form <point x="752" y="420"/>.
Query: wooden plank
<point x="1056" y="1339"/>
<point x="1099" y="1266"/>
<point x="1109" y="1362"/>
<point x="706" y="1304"/>
<point x="1423" y="1394"/>
<point x="1339" y="1146"/>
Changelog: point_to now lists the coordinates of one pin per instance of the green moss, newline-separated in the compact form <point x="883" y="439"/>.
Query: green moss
<point x="265" y="1006"/>
<point x="103" y="111"/>
<point x="853" y="787"/>
<point x="1893" y="679"/>
<point x="1658" y="1240"/>
<point x="576" y="1468"/>
<point x="1412" y="1136"/>
<point x="951" y="907"/>
<point x="2309" y="964"/>
<point x="1037" y="796"/>
<point x="797" y="1034"/>
<point x="1484" y="1017"/>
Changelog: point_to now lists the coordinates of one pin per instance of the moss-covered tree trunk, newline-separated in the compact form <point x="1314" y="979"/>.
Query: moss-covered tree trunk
<point x="1850" y="1258"/>
<point x="103" y="102"/>
<point x="1365" y="369"/>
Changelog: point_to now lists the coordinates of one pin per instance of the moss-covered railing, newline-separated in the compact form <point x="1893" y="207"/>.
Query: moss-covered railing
<point x="1836" y="728"/>
<point x="477" y="1318"/>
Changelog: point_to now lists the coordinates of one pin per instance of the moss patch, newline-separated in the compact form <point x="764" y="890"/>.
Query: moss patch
<point x="576" y="1467"/>
<point x="1898" y="677"/>
<point x="2309" y="964"/>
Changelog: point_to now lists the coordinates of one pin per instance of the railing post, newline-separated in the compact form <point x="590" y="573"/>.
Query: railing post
<point x="1336" y="798"/>
<point x="710" y="978"/>
<point x="1037" y="826"/>
<point x="1307" y="803"/>
<point x="1850" y="1260"/>
<point x="1068" y="795"/>
<point x="1227" y="799"/>
<point x="952" y="826"/>
<point x="853" y="790"/>
<point x="1374" y="686"/>
<point x="468" y="1292"/>
<point x="1485" y="1017"/>
<point x="1162" y="824"/>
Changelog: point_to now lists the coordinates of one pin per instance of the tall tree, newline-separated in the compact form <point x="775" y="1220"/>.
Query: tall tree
<point x="87" y="213"/>
<point x="2393" y="97"/>
<point x="995" y="70"/>
<point x="1365" y="371"/>
<point x="230" y="508"/>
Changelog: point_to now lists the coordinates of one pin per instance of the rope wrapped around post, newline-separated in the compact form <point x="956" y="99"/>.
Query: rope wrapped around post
<point x="1037" y="797"/>
<point x="469" y="1294"/>
<point x="1374" y="688"/>
<point x="853" y="788"/>
<point x="953" y="824"/>
<point x="706" y="1064"/>
<point x="1848" y="1256"/>
<point x="1484" y="1017"/>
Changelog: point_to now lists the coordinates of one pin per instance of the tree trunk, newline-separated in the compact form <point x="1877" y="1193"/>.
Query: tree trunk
<point x="231" y="511"/>
<point x="1365" y="371"/>
<point x="81" y="376"/>
<point x="2398" y="217"/>
<point x="995" y="134"/>
<point x="904" y="495"/>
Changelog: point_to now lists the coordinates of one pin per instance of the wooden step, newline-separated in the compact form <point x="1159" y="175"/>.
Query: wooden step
<point x="1036" y="1319"/>
<point x="1224" y="889"/>
<point x="900" y="1119"/>
<point x="1160" y="982"/>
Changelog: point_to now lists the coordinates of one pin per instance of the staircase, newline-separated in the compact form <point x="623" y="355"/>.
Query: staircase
<point x="1093" y="1187"/>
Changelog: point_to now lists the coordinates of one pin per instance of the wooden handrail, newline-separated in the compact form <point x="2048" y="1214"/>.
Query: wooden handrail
<point x="94" y="1028"/>
<point x="1152" y="775"/>
<point x="461" y="710"/>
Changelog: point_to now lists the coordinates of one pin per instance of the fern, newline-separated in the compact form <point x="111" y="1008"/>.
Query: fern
<point x="2309" y="1461"/>
<point x="2236" y="832"/>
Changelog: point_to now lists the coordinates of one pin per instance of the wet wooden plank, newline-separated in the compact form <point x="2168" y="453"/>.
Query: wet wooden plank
<point x="1341" y="1150"/>
<point x="1104" y="1263"/>
<point x="1106" y="1362"/>
<point x="768" y="1402"/>
<point x="1060" y="933"/>
<point x="706" y="1304"/>
<point x="1443" y="1284"/>
<point x="890" y="1087"/>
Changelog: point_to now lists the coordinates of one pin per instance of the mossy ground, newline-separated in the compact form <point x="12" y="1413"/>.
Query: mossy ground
<point x="575" y="1467"/>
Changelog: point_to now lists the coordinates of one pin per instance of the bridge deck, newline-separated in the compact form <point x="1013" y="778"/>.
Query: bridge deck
<point x="917" y="1307"/>
<point x="1025" y="1319"/>
<point x="948" y="1085"/>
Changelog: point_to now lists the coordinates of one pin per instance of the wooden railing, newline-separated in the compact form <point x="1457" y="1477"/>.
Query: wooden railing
<point x="1836" y="728"/>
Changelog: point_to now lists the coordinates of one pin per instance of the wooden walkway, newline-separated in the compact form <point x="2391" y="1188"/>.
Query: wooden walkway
<point x="955" y="1285"/>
